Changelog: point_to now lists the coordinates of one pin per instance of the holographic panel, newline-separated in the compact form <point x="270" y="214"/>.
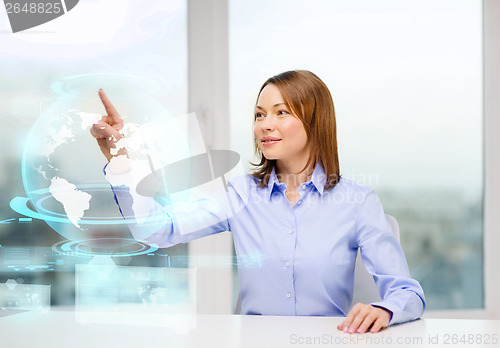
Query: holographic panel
<point x="15" y="255"/>
<point x="24" y="296"/>
<point x="142" y="296"/>
<point x="115" y="247"/>
<point x="38" y="259"/>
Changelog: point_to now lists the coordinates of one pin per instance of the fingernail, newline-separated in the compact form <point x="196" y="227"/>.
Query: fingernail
<point x="359" y="330"/>
<point x="346" y="329"/>
<point x="351" y="330"/>
<point x="372" y="330"/>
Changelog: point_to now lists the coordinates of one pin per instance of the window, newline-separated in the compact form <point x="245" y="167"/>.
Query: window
<point x="129" y="49"/>
<point x="406" y="79"/>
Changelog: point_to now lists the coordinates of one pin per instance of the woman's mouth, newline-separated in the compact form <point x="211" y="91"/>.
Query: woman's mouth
<point x="269" y="142"/>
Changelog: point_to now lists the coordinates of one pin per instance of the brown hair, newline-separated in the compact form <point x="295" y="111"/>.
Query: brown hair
<point x="309" y="99"/>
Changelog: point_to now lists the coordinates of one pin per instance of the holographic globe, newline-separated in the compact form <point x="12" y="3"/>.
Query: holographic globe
<point x="62" y="166"/>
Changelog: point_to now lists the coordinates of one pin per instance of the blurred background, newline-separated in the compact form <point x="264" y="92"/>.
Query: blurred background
<point x="406" y="78"/>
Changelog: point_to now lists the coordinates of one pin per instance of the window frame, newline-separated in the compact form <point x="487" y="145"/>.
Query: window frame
<point x="208" y="98"/>
<point x="491" y="70"/>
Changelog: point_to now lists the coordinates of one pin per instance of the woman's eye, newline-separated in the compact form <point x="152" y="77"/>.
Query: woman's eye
<point x="283" y="112"/>
<point x="258" y="115"/>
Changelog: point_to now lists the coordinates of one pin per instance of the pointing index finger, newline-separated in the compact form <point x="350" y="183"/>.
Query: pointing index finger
<point x="110" y="109"/>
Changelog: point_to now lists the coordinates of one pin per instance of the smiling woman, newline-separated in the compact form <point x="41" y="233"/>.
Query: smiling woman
<point x="304" y="246"/>
<point x="299" y="106"/>
<point x="282" y="139"/>
<point x="395" y="86"/>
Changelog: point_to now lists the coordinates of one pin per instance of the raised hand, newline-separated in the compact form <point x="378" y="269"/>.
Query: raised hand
<point x="363" y="317"/>
<point x="107" y="129"/>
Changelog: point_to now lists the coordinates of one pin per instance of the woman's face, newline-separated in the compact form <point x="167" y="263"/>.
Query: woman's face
<point x="279" y="134"/>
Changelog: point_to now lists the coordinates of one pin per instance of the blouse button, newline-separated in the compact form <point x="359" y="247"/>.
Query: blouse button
<point x="290" y="231"/>
<point x="304" y="187"/>
<point x="287" y="263"/>
<point x="288" y="295"/>
<point x="299" y="202"/>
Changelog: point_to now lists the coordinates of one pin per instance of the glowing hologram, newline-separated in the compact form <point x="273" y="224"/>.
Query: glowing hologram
<point x="11" y="284"/>
<point x="139" y="296"/>
<point x="24" y="297"/>
<point x="45" y="201"/>
<point x="63" y="179"/>
<point x="102" y="266"/>
<point x="27" y="259"/>
<point x="37" y="259"/>
<point x="62" y="165"/>
<point x="64" y="255"/>
<point x="189" y="172"/>
<point x="115" y="247"/>
<point x="16" y="256"/>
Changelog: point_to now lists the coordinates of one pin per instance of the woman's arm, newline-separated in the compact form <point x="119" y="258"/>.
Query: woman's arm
<point x="167" y="224"/>
<point x="148" y="220"/>
<point x="402" y="297"/>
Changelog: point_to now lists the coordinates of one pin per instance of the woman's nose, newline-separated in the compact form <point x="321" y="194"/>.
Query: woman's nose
<point x="267" y="123"/>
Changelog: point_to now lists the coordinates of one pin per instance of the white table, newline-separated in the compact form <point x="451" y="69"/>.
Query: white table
<point x="60" y="329"/>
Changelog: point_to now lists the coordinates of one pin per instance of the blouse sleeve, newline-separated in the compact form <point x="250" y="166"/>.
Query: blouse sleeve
<point x="168" y="224"/>
<point x="384" y="259"/>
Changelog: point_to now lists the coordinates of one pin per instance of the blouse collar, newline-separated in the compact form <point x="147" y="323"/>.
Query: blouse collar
<point x="318" y="180"/>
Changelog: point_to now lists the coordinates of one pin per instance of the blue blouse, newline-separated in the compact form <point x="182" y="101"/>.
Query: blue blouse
<point x="293" y="260"/>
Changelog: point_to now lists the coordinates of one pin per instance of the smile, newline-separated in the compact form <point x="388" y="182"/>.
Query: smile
<point x="270" y="142"/>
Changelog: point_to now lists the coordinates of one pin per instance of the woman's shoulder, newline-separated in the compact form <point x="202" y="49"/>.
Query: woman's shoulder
<point x="243" y="182"/>
<point x="348" y="185"/>
<point x="348" y="193"/>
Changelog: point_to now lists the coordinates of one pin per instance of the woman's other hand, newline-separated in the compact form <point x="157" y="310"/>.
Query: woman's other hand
<point x="363" y="317"/>
<point x="107" y="129"/>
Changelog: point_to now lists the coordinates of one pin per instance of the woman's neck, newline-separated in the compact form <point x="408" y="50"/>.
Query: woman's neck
<point x="293" y="174"/>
